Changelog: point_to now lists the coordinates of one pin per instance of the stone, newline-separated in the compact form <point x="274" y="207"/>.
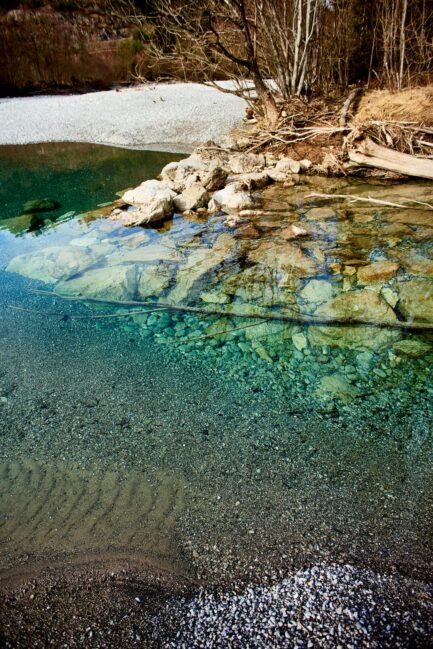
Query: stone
<point x="108" y="282"/>
<point x="360" y="304"/>
<point x="416" y="300"/>
<point x="214" y="297"/>
<point x="305" y="164"/>
<point x="284" y="169"/>
<point x="417" y="264"/>
<point x="214" y="178"/>
<point x="350" y="337"/>
<point x="379" y="271"/>
<point x="176" y="174"/>
<point x="52" y="264"/>
<point x="246" y="231"/>
<point x="153" y="281"/>
<point x="321" y="214"/>
<point x="134" y="240"/>
<point x="336" y="385"/>
<point x="293" y="231"/>
<point x="199" y="263"/>
<point x="317" y="291"/>
<point x="284" y="257"/>
<point x="154" y="200"/>
<point x="390" y="296"/>
<point x="193" y="196"/>
<point x="272" y="331"/>
<point x="232" y="198"/>
<point x="300" y="341"/>
<point x="244" y="163"/>
<point x="413" y="348"/>
<point x="146" y="254"/>
<point x="40" y="205"/>
<point x="253" y="180"/>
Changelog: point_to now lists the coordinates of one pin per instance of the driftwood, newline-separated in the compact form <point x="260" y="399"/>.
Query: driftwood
<point x="353" y="198"/>
<point x="346" y="106"/>
<point x="297" y="317"/>
<point x="369" y="154"/>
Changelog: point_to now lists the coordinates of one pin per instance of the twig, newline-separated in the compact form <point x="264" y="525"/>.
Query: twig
<point x="352" y="198"/>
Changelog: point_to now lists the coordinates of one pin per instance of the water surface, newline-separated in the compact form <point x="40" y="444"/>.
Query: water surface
<point x="213" y="441"/>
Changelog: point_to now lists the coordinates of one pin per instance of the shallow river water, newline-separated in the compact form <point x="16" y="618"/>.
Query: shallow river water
<point x="248" y="434"/>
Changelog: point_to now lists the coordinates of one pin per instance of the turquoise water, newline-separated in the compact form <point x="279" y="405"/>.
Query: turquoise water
<point x="222" y="444"/>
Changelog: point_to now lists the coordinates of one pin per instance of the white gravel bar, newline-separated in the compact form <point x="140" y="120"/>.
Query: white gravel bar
<point x="171" y="117"/>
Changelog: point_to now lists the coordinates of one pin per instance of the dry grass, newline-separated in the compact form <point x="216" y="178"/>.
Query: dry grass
<point x="411" y="105"/>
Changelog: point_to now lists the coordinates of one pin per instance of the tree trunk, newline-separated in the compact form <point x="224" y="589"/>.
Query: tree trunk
<point x="266" y="100"/>
<point x="369" y="154"/>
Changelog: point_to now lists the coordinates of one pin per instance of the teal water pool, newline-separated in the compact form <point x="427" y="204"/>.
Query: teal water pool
<point x="215" y="429"/>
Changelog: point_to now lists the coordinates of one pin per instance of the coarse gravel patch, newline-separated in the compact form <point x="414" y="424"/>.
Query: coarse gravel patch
<point x="164" y="116"/>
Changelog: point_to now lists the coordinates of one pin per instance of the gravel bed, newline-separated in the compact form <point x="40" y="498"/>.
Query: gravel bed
<point x="322" y="606"/>
<point x="171" y="117"/>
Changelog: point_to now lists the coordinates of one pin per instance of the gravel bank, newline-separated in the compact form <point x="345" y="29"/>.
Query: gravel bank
<point x="172" y="117"/>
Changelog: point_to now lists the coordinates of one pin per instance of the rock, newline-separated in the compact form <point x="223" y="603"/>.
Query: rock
<point x="416" y="300"/>
<point x="417" y="264"/>
<point x="284" y="257"/>
<point x="40" y="205"/>
<point x="321" y="214"/>
<point x="52" y="264"/>
<point x="300" y="341"/>
<point x="413" y="348"/>
<point x="176" y="174"/>
<point x="232" y="198"/>
<point x="193" y="196"/>
<point x="348" y="337"/>
<point x="134" y="240"/>
<point x="244" y="163"/>
<point x="214" y="178"/>
<point x="305" y="164"/>
<point x="284" y="169"/>
<point x="336" y="385"/>
<point x="246" y="231"/>
<point x="390" y="296"/>
<point x="248" y="214"/>
<point x="272" y="331"/>
<point x="111" y="283"/>
<point x="146" y="254"/>
<point x="317" y="291"/>
<point x="379" y="271"/>
<point x="361" y="304"/>
<point x="199" y="263"/>
<point x="253" y="180"/>
<point x="214" y="297"/>
<point x="293" y="231"/>
<point x="153" y="281"/>
<point x="154" y="200"/>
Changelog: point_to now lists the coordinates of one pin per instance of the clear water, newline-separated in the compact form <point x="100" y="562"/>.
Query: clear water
<point x="216" y="443"/>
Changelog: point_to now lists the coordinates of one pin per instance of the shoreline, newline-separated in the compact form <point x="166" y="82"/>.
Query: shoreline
<point x="145" y="117"/>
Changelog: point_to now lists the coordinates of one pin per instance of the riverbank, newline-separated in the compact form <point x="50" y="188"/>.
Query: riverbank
<point x="166" y="117"/>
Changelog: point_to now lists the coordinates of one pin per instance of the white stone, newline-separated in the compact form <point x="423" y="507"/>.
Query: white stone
<point x="300" y="341"/>
<point x="193" y="196"/>
<point x="232" y="198"/>
<point x="154" y="200"/>
<point x="317" y="291"/>
<point x="284" y="169"/>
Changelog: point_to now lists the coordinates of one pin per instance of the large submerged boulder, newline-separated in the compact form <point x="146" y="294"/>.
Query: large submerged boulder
<point x="108" y="283"/>
<point x="52" y="264"/>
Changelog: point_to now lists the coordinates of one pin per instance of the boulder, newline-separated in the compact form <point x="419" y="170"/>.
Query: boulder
<point x="110" y="283"/>
<point x="417" y="264"/>
<point x="317" y="291"/>
<point x="153" y="281"/>
<point x="348" y="337"/>
<point x="193" y="196"/>
<point x="52" y="264"/>
<point x="321" y="214"/>
<point x="416" y="300"/>
<point x="154" y="200"/>
<point x="361" y="304"/>
<point x="244" y="163"/>
<point x="284" y="257"/>
<point x="40" y="205"/>
<point x="214" y="178"/>
<point x="146" y="254"/>
<point x="413" y="348"/>
<point x="284" y="169"/>
<point x="232" y="198"/>
<point x="253" y="180"/>
<point x="379" y="271"/>
<point x="336" y="385"/>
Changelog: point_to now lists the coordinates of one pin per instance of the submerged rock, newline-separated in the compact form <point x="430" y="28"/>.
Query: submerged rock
<point x="317" y="291"/>
<point x="154" y="200"/>
<point x="336" y="385"/>
<point x="352" y="337"/>
<point x="108" y="282"/>
<point x="52" y="264"/>
<point x="380" y="271"/>
<point x="40" y="205"/>
<point x="153" y="281"/>
<point x="413" y="348"/>
<point x="287" y="257"/>
<point x="416" y="299"/>
<point x="361" y="304"/>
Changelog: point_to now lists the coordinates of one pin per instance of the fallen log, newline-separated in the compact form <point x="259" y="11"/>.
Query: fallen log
<point x="353" y="198"/>
<point x="369" y="154"/>
<point x="296" y="317"/>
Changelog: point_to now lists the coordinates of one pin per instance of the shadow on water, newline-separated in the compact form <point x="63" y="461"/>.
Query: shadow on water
<point x="193" y="438"/>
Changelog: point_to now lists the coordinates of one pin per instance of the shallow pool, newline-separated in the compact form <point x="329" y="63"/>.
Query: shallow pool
<point x="227" y="425"/>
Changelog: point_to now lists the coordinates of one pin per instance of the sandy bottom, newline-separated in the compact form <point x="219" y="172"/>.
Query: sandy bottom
<point x="172" y="116"/>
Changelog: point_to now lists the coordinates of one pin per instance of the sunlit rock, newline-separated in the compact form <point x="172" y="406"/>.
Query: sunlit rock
<point x="293" y="231"/>
<point x="318" y="291"/>
<point x="233" y="198"/>
<point x="135" y="240"/>
<point x="416" y="299"/>
<point x="360" y="305"/>
<point x="284" y="169"/>
<point x="321" y="214"/>
<point x="214" y="177"/>
<point x="390" y="296"/>
<point x="52" y="264"/>
<point x="244" y="163"/>
<point x="154" y="201"/>
<point x="286" y="257"/>
<point x="300" y="341"/>
<point x="214" y="297"/>
<point x="153" y="280"/>
<point x="199" y="263"/>
<point x="379" y="271"/>
<point x="110" y="283"/>
<point x="416" y="264"/>
<point x="150" y="253"/>
<point x="193" y="196"/>
<point x="269" y="332"/>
